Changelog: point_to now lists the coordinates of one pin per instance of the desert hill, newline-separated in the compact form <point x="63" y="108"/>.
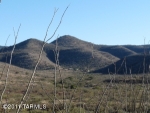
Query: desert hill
<point x="79" y="57"/>
<point x="118" y="51"/>
<point x="26" y="54"/>
<point x="77" y="54"/>
<point x="134" y="64"/>
<point x="72" y="42"/>
<point x="1" y="47"/>
<point x="139" y="48"/>
<point x="84" y="60"/>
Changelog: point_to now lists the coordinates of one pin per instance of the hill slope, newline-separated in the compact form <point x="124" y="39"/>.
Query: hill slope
<point x="139" y="48"/>
<point x="131" y="64"/>
<point x="84" y="60"/>
<point x="77" y="54"/>
<point x="118" y="51"/>
<point x="72" y="42"/>
<point x="2" y="47"/>
<point x="26" y="54"/>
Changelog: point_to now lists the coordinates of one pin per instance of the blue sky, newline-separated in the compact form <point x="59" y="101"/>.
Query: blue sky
<point x="110" y="22"/>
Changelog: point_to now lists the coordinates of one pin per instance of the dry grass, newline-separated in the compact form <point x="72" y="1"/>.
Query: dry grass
<point x="88" y="93"/>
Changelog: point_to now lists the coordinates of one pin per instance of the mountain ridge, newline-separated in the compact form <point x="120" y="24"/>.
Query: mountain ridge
<point x="73" y="53"/>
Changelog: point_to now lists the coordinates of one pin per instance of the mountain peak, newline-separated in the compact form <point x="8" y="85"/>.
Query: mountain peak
<point x="71" y="41"/>
<point x="32" y="42"/>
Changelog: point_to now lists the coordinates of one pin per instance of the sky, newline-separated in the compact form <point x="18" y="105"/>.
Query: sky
<point x="108" y="22"/>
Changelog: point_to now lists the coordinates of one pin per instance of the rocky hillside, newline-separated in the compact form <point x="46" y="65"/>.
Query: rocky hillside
<point x="79" y="55"/>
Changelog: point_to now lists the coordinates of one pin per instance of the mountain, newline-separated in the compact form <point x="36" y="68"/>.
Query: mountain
<point x="26" y="54"/>
<point x="83" y="59"/>
<point x="139" y="48"/>
<point x="118" y="51"/>
<point x="133" y="55"/>
<point x="2" y="47"/>
<point x="79" y="55"/>
<point x="72" y="42"/>
<point x="134" y="64"/>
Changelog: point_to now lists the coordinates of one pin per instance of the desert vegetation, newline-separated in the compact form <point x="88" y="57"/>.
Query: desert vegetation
<point x="88" y="92"/>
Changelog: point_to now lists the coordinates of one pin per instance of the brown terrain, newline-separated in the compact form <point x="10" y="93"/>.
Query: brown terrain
<point x="77" y="54"/>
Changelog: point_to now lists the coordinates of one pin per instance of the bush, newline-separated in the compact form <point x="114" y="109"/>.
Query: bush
<point x="73" y="87"/>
